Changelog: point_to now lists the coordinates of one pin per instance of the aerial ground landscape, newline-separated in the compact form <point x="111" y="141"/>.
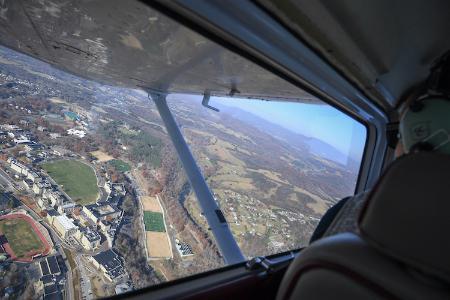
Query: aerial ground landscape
<point x="94" y="201"/>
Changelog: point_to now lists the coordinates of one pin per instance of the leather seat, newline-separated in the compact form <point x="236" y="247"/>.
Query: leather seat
<point x="403" y="249"/>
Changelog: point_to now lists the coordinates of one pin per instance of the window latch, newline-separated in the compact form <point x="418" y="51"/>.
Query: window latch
<point x="269" y="266"/>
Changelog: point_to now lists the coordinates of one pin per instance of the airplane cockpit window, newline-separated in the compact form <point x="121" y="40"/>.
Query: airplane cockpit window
<point x="274" y="167"/>
<point x="98" y="195"/>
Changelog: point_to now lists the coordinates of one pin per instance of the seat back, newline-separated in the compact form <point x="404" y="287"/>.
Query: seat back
<point x="403" y="251"/>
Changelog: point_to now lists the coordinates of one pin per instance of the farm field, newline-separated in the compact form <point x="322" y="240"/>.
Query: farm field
<point x="102" y="156"/>
<point x="21" y="237"/>
<point x="158" y="245"/>
<point x="154" y="221"/>
<point x="150" y="204"/>
<point x="77" y="179"/>
<point x="120" y="165"/>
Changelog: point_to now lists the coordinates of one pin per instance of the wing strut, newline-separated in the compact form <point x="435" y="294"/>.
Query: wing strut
<point x="224" y="238"/>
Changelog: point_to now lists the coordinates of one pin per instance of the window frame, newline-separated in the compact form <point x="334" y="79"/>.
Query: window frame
<point x="247" y="30"/>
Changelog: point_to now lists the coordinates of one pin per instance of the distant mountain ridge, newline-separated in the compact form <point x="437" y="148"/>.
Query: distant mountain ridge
<point x="297" y="140"/>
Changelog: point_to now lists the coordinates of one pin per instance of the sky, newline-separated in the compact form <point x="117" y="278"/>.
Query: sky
<point x="323" y="122"/>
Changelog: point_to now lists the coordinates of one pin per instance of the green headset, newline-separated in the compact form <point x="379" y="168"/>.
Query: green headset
<point x="425" y="125"/>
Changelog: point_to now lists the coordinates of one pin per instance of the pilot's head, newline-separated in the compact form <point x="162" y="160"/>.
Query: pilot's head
<point x="425" y="113"/>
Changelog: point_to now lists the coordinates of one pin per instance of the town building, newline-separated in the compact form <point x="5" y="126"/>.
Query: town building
<point x="89" y="238"/>
<point x="22" y="140"/>
<point x="33" y="176"/>
<point x="119" y="189"/>
<point x="104" y="225"/>
<point x="27" y="183"/>
<point x="101" y="211"/>
<point x="54" y="196"/>
<point x="51" y="215"/>
<point x="184" y="249"/>
<point x="110" y="264"/>
<point x="39" y="187"/>
<point x="64" y="226"/>
<point x="54" y="135"/>
<point x="51" y="277"/>
<point x="66" y="208"/>
<point x="18" y="167"/>
<point x="32" y="147"/>
<point x="40" y="203"/>
<point x="59" y="151"/>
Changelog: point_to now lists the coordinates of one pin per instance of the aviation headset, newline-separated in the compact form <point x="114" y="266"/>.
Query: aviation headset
<point x="425" y="126"/>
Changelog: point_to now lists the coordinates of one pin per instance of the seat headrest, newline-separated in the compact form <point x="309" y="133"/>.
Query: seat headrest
<point x="407" y="214"/>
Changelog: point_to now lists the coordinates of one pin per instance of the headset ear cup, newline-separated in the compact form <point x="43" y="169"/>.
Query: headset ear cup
<point x="421" y="147"/>
<point x="427" y="129"/>
<point x="416" y="106"/>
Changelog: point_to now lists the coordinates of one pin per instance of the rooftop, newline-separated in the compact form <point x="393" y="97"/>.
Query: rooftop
<point x="102" y="209"/>
<point x="53" y="264"/>
<point x="52" y="212"/>
<point x="66" y="222"/>
<point x="90" y="234"/>
<point x="111" y="262"/>
<point x="47" y="279"/>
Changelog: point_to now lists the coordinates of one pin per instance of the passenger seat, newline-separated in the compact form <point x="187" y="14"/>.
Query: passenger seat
<point x="403" y="249"/>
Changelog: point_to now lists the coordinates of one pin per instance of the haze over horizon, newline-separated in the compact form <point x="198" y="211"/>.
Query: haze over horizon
<point x="322" y="122"/>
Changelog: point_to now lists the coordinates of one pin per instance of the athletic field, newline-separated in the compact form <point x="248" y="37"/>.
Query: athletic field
<point x="24" y="238"/>
<point x="120" y="165"/>
<point x="77" y="179"/>
<point x="154" y="221"/>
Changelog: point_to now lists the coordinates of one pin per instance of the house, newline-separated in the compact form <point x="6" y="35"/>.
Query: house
<point x="22" y="140"/>
<point x="54" y="135"/>
<point x="119" y="189"/>
<point x="33" y="147"/>
<point x="107" y="187"/>
<point x="76" y="132"/>
<point x="60" y="151"/>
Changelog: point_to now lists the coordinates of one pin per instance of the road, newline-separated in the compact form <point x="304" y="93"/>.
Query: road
<point x="85" y="283"/>
<point x="69" y="282"/>
<point x="5" y="181"/>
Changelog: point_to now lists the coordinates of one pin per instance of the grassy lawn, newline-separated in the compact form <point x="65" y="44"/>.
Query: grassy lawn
<point x="21" y="236"/>
<point x="154" y="221"/>
<point x="120" y="165"/>
<point x="77" y="179"/>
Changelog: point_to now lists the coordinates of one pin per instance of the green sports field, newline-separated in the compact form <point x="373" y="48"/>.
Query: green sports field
<point x="120" y="165"/>
<point x="77" y="179"/>
<point x="154" y="221"/>
<point x="21" y="236"/>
